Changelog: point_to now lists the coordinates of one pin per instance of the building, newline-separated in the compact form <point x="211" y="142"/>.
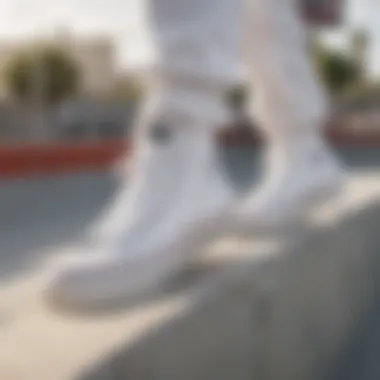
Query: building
<point x="95" y="56"/>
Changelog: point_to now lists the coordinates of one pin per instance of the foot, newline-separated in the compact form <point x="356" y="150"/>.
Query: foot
<point x="301" y="176"/>
<point x="180" y="202"/>
<point x="146" y="190"/>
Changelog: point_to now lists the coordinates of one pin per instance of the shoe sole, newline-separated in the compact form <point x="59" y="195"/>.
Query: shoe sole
<point x="296" y="222"/>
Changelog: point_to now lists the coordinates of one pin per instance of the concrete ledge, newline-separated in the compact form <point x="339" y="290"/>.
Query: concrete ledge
<point x="267" y="310"/>
<point x="287" y="316"/>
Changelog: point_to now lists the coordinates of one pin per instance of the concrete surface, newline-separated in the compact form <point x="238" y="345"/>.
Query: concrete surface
<point x="300" y="307"/>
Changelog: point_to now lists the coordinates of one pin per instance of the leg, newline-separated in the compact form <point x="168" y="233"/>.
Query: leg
<point x="287" y="95"/>
<point x="177" y="192"/>
<point x="195" y="62"/>
<point x="196" y="58"/>
<point x="291" y="108"/>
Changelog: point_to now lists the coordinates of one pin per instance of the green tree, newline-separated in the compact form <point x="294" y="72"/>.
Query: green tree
<point x="48" y="73"/>
<point x="338" y="71"/>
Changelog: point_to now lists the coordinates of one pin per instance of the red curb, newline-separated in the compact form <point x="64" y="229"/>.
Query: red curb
<point x="339" y="137"/>
<point x="43" y="159"/>
<point x="36" y="159"/>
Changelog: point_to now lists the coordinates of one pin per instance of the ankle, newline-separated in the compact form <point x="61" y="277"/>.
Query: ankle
<point x="183" y="103"/>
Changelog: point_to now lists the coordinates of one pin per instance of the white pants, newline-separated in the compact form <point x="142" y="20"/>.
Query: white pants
<point x="200" y="45"/>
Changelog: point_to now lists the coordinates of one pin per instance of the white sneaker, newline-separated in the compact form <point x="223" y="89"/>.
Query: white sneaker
<point x="145" y="193"/>
<point x="182" y="200"/>
<point x="301" y="175"/>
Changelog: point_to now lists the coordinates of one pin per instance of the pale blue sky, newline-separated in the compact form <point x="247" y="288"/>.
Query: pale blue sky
<point x="121" y="18"/>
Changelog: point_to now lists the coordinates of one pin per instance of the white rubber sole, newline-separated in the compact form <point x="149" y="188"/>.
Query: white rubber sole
<point x="124" y="282"/>
<point x="284" y="224"/>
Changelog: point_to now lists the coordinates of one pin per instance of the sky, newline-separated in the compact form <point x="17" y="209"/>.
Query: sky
<point x="123" y="19"/>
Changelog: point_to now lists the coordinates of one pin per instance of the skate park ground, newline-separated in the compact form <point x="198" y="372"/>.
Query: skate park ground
<point x="218" y="321"/>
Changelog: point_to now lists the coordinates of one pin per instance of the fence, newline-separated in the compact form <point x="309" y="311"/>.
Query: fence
<point x="71" y="122"/>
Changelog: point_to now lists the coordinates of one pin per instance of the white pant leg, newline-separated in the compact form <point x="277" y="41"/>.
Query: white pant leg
<point x="286" y="94"/>
<point x="196" y="43"/>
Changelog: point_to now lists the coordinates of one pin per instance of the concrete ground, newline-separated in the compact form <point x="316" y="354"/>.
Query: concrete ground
<point x="42" y="219"/>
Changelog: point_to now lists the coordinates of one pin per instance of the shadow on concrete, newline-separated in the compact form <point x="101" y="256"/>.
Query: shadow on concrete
<point x="217" y="326"/>
<point x="360" y="361"/>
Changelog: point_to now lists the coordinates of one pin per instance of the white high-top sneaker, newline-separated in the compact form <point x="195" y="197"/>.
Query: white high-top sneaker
<point x="181" y="173"/>
<point x="144" y="193"/>
<point x="300" y="175"/>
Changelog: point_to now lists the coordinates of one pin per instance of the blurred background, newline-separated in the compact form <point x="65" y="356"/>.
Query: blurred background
<point x="71" y="81"/>
<point x="74" y="71"/>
